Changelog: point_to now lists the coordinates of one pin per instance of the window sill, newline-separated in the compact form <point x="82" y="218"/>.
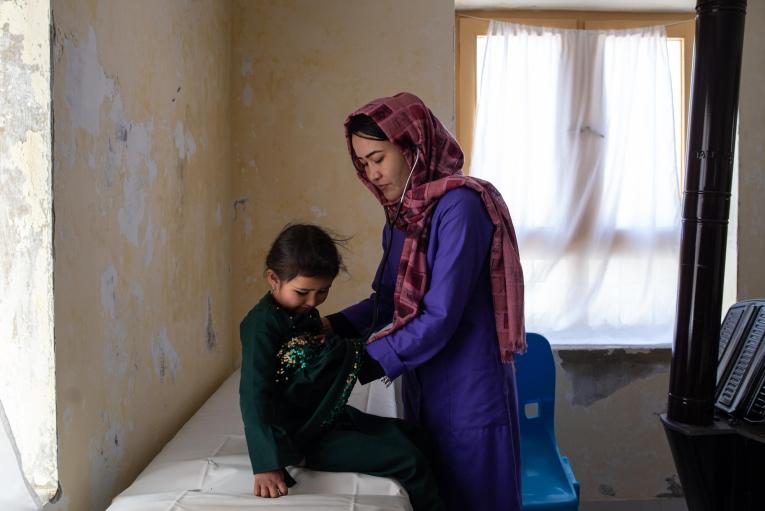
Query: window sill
<point x="631" y="339"/>
<point x="614" y="346"/>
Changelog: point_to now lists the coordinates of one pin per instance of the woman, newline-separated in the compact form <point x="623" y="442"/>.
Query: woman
<point x="451" y="286"/>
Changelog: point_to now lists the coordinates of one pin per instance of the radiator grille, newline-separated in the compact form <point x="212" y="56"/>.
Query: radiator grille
<point x="744" y="360"/>
<point x="728" y="327"/>
<point x="756" y="412"/>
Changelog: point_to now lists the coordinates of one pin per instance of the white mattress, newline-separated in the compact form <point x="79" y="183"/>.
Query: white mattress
<point x="205" y="467"/>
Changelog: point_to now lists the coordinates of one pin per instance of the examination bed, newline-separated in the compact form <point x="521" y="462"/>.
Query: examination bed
<point x="205" y="467"/>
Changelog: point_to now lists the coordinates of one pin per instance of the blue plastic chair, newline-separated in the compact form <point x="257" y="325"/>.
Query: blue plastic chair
<point x="547" y="480"/>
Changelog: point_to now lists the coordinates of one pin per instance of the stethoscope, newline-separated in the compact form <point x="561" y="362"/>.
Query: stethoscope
<point x="388" y="244"/>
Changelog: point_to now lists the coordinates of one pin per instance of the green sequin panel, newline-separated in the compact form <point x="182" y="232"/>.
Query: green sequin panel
<point x="357" y="347"/>
<point x="297" y="353"/>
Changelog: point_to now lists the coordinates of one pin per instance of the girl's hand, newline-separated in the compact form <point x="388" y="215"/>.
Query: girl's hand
<point x="270" y="484"/>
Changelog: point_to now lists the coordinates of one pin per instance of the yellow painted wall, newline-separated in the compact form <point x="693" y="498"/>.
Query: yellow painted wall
<point x="298" y="68"/>
<point x="142" y="231"/>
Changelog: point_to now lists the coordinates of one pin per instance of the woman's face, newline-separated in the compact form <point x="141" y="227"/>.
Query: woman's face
<point x="384" y="165"/>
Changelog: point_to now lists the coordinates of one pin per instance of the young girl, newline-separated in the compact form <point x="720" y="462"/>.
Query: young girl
<point x="295" y="382"/>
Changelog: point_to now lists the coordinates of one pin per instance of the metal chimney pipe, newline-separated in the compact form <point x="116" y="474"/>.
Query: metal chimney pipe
<point x="706" y="204"/>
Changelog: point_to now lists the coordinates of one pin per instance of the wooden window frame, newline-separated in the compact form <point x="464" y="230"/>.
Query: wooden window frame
<point x="471" y="24"/>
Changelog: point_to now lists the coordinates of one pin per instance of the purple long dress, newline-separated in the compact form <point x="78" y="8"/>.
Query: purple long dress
<point x="454" y="384"/>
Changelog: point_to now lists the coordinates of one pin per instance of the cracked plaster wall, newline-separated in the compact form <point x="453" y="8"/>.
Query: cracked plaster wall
<point x="142" y="248"/>
<point x="27" y="386"/>
<point x="608" y="403"/>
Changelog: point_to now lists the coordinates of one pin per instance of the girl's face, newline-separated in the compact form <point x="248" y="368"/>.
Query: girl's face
<point x="384" y="164"/>
<point x="300" y="294"/>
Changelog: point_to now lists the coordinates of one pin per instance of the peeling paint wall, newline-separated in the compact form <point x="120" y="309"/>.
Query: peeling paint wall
<point x="608" y="403"/>
<point x="298" y="68"/>
<point x="751" y="228"/>
<point x="27" y="379"/>
<point x="142" y="250"/>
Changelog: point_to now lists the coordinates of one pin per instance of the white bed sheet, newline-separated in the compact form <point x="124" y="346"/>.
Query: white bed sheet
<point x="206" y="467"/>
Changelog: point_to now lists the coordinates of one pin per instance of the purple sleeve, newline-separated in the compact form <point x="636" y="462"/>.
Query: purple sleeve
<point x="360" y="314"/>
<point x="464" y="233"/>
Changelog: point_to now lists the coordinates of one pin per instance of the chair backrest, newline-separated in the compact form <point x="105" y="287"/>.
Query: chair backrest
<point x="535" y="377"/>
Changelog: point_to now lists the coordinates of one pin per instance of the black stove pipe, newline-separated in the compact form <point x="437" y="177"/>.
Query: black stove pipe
<point x="706" y="204"/>
<point x="717" y="465"/>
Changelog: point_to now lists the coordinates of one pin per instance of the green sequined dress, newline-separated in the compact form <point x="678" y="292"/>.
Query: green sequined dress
<point x="294" y="382"/>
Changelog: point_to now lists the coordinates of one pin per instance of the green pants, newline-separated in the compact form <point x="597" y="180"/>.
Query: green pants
<point x="379" y="446"/>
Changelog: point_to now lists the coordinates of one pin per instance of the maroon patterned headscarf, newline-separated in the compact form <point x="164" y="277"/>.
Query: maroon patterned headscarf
<point x="409" y="124"/>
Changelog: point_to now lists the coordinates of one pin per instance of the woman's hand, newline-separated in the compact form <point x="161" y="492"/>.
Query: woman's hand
<point x="326" y="325"/>
<point x="270" y="484"/>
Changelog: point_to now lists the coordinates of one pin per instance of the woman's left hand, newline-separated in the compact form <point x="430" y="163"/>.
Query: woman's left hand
<point x="326" y="326"/>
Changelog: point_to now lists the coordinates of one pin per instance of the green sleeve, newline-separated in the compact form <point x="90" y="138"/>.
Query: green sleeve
<point x="269" y="446"/>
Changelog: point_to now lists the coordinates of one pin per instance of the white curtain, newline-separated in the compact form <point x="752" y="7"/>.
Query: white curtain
<point x="576" y="129"/>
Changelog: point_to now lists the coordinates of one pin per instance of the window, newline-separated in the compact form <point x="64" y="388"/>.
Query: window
<point x="598" y="237"/>
<point x="472" y="27"/>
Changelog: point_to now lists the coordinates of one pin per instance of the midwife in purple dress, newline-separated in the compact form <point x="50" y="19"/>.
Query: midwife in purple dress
<point x="450" y="290"/>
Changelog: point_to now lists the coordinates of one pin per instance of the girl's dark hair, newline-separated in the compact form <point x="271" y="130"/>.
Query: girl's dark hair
<point x="304" y="249"/>
<point x="363" y="126"/>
